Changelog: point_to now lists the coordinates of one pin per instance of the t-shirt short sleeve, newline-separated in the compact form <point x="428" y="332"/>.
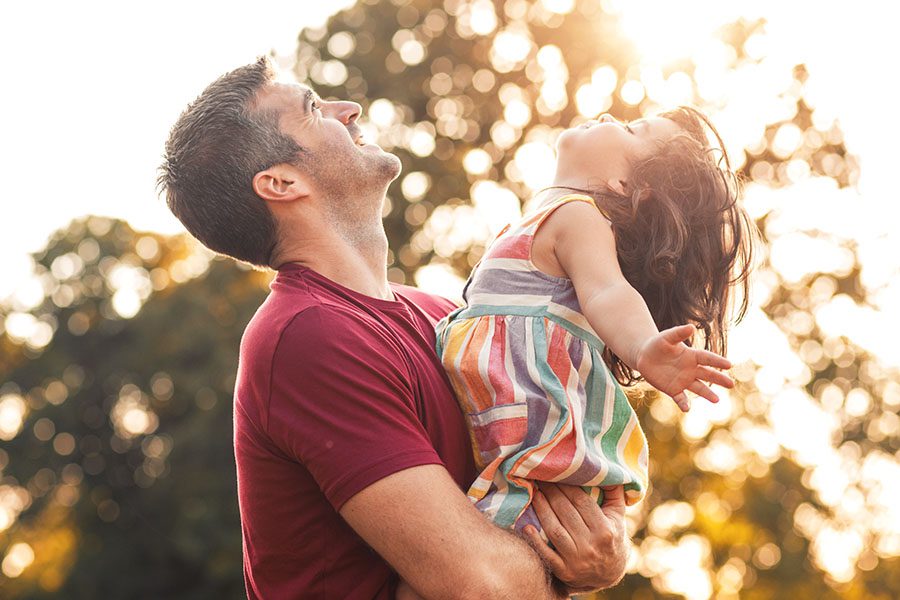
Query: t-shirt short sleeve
<point x="342" y="403"/>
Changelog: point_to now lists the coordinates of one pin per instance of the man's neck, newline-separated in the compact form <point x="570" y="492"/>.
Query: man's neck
<point x="357" y="262"/>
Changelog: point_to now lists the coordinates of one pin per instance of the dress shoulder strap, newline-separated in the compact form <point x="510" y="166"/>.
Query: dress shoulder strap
<point x="531" y="222"/>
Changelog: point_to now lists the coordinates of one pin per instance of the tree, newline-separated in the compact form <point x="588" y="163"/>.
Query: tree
<point x="125" y="455"/>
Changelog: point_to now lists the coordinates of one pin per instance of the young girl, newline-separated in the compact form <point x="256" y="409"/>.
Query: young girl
<point x="638" y="241"/>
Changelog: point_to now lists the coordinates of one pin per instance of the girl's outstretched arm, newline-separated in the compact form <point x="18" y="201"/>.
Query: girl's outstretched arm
<point x="584" y="248"/>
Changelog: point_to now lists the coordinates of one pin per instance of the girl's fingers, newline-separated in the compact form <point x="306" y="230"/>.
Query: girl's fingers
<point x="682" y="401"/>
<point x="699" y="388"/>
<point x="678" y="333"/>
<point x="547" y="554"/>
<point x="717" y="377"/>
<point x="705" y="357"/>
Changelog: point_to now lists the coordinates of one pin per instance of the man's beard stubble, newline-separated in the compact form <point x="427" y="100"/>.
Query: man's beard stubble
<point x="355" y="192"/>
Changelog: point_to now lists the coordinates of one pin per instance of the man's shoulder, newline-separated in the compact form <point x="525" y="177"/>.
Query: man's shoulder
<point x="304" y="321"/>
<point x="272" y="317"/>
<point x="306" y="334"/>
<point x="436" y="306"/>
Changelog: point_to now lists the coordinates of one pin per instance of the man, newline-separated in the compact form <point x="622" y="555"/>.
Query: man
<point x="351" y="451"/>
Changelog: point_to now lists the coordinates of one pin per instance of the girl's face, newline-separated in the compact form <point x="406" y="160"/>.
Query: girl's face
<point x="601" y="151"/>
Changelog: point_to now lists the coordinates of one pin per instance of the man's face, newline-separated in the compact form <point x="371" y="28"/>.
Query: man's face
<point x="335" y="156"/>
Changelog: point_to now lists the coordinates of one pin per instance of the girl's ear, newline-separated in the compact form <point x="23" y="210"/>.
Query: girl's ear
<point x="280" y="183"/>
<point x="624" y="188"/>
<point x="619" y="186"/>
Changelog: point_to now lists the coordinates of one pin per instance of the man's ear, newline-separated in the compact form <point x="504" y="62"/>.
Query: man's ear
<point x="280" y="183"/>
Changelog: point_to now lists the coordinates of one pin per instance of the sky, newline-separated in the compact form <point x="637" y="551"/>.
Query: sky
<point x="91" y="90"/>
<point x="95" y="86"/>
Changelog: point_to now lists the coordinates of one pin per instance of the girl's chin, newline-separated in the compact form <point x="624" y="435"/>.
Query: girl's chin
<point x="568" y="134"/>
<point x="564" y="141"/>
<point x="567" y="148"/>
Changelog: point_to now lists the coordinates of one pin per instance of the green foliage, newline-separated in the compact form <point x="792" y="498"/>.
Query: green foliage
<point x="153" y="515"/>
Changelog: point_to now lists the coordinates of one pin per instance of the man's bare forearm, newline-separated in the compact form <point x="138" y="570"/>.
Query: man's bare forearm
<point x="522" y="575"/>
<point x="422" y="524"/>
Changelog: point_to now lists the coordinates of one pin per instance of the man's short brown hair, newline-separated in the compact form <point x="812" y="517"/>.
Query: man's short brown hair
<point x="213" y="152"/>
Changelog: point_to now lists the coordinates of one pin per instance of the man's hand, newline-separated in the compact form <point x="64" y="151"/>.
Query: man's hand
<point x="589" y="540"/>
<point x="672" y="367"/>
<point x="423" y="525"/>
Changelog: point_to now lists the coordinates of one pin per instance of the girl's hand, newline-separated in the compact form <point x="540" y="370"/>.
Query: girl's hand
<point x="672" y="367"/>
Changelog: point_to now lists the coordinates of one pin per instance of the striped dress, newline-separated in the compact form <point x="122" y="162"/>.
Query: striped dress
<point x="526" y="366"/>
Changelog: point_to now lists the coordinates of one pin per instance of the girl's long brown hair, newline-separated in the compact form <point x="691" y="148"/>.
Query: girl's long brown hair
<point x="683" y="240"/>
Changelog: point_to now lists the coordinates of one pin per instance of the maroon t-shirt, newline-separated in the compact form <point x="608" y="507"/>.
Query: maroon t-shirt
<point x="335" y="390"/>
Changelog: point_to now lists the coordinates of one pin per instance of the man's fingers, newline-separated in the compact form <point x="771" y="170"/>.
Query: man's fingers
<point x="717" y="377"/>
<point x="547" y="554"/>
<point x="613" y="495"/>
<point x="586" y="506"/>
<point x="551" y="524"/>
<point x="613" y="501"/>
<point x="565" y="509"/>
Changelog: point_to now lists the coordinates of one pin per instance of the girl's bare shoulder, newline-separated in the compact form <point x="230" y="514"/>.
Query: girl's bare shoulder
<point x="570" y="221"/>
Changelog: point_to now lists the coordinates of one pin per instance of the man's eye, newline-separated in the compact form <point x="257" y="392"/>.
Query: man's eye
<point x="316" y="105"/>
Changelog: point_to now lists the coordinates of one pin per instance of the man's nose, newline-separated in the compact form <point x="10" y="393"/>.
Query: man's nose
<point x="607" y="118"/>
<point x="346" y="112"/>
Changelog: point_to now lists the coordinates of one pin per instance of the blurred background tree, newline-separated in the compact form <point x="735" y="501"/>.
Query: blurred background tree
<point x="124" y="470"/>
<point x="118" y="367"/>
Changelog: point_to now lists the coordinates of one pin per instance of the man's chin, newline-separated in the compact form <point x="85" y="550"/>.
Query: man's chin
<point x="390" y="163"/>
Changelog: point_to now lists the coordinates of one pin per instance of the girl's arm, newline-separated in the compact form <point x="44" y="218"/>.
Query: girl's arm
<point x="583" y="246"/>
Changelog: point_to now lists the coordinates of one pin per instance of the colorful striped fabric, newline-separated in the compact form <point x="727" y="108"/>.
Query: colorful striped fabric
<point x="527" y="369"/>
